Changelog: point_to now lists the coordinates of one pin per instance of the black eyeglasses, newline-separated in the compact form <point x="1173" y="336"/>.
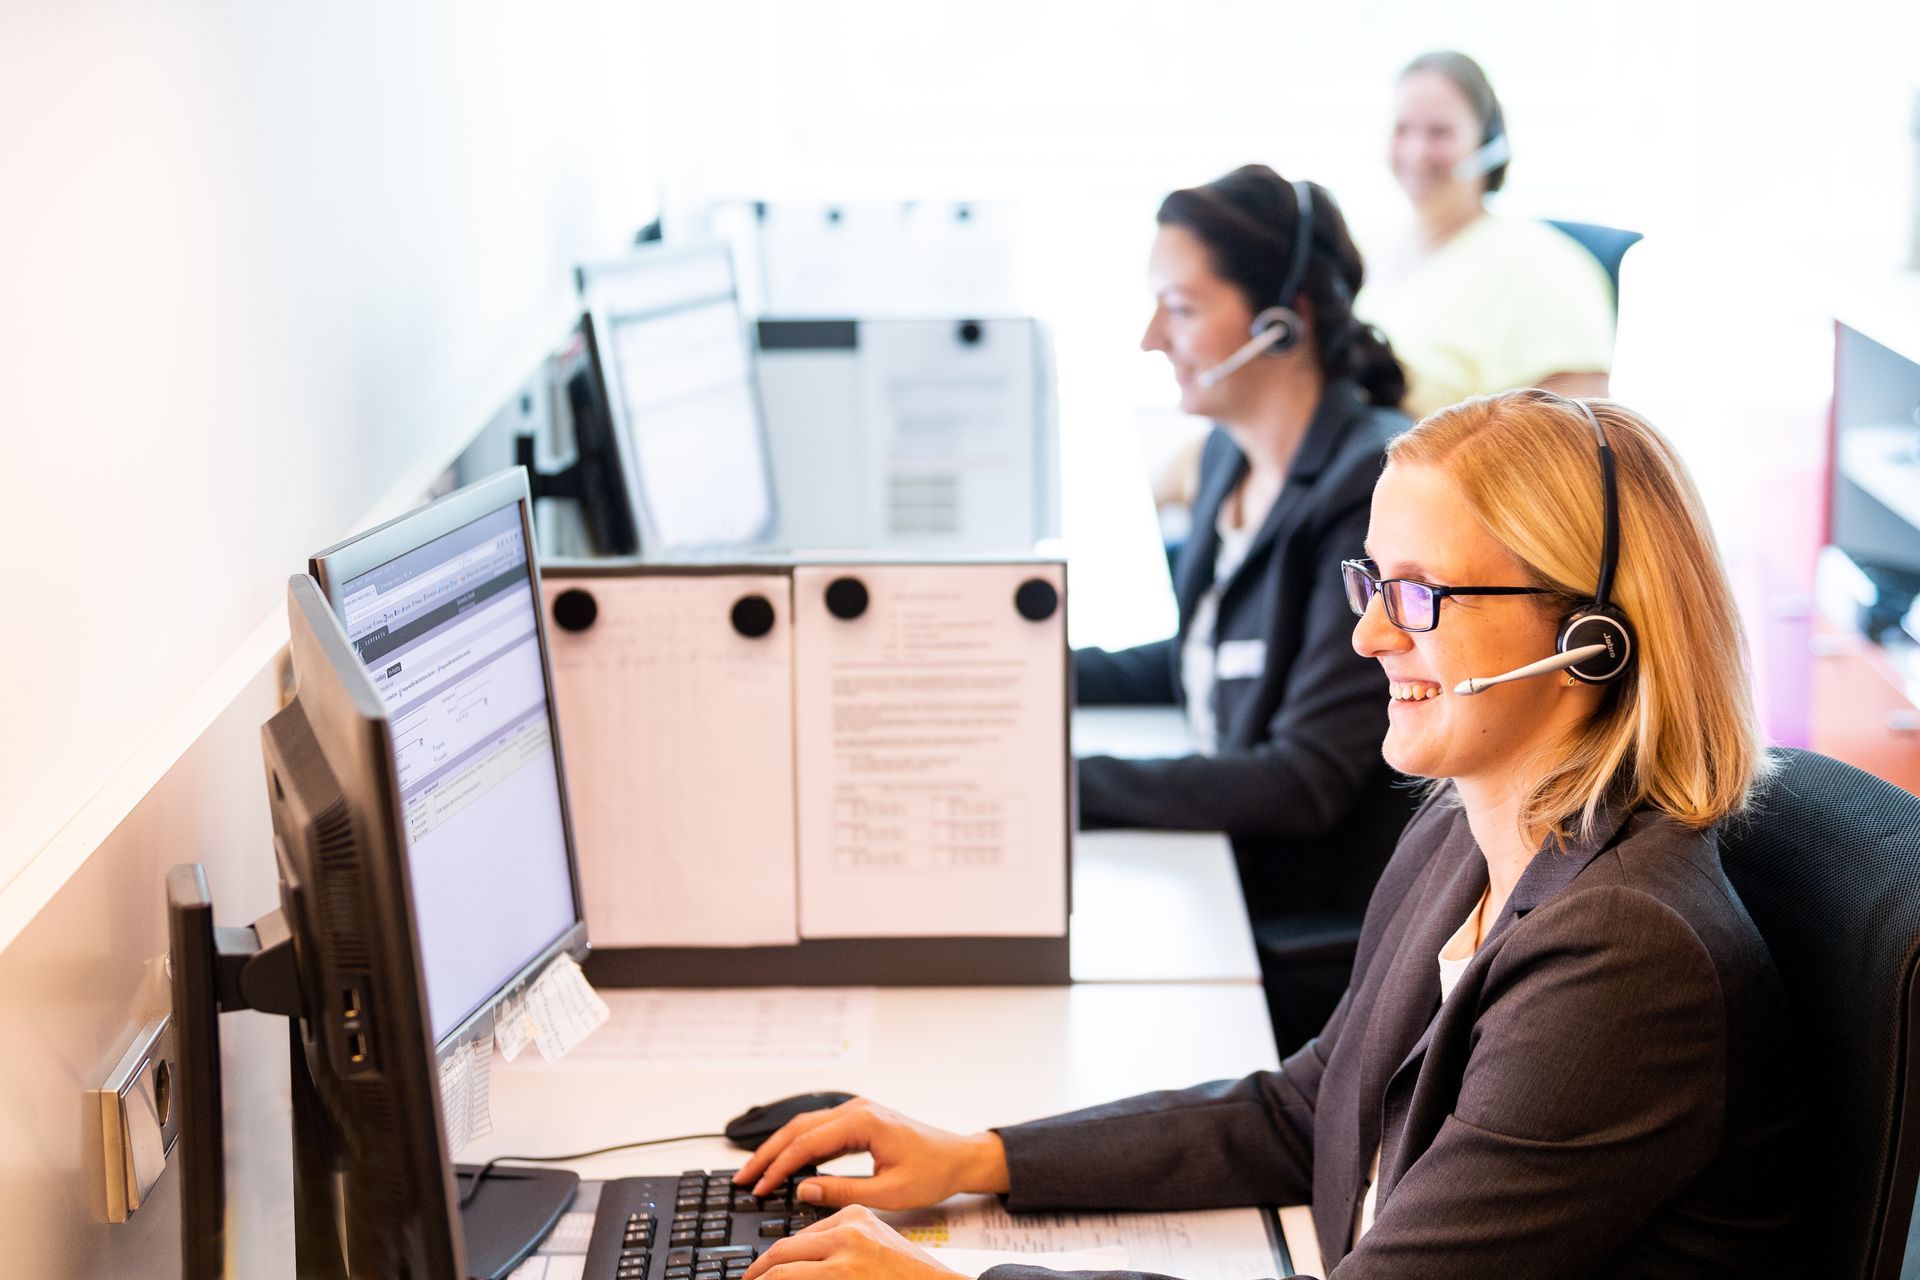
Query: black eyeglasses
<point x="1412" y="605"/>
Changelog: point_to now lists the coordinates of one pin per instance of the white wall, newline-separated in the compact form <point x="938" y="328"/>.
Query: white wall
<point x="262" y="269"/>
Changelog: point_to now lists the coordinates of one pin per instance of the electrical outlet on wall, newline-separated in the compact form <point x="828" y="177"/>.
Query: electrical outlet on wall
<point x="138" y="1122"/>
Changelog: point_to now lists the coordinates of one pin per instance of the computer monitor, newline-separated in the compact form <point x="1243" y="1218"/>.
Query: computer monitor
<point x="595" y="480"/>
<point x="686" y="410"/>
<point x="442" y="607"/>
<point x="426" y="871"/>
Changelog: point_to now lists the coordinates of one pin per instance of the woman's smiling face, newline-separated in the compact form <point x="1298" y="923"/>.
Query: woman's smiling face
<point x="1423" y="527"/>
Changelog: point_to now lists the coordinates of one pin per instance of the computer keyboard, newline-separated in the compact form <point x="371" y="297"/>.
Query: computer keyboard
<point x="698" y="1226"/>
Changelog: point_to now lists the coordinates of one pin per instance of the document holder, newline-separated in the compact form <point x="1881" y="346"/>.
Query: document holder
<point x="817" y="772"/>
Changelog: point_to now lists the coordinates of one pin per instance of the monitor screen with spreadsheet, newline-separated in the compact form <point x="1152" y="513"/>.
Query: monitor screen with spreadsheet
<point x="441" y="608"/>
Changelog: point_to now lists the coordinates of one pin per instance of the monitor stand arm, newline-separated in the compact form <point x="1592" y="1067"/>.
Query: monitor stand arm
<point x="568" y="482"/>
<point x="225" y="970"/>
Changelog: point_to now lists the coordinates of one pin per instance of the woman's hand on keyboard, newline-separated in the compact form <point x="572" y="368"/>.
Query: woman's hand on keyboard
<point x="854" y="1245"/>
<point x="914" y="1164"/>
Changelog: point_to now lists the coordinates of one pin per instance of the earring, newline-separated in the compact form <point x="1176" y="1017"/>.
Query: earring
<point x="1572" y="680"/>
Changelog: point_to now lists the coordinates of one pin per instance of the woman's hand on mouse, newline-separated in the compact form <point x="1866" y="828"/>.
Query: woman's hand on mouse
<point x="852" y="1243"/>
<point x="914" y="1165"/>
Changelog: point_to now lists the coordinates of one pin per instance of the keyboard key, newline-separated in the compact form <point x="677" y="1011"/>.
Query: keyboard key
<point x="773" y="1227"/>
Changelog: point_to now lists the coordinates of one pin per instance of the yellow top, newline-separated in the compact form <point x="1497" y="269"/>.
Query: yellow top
<point x="1505" y="303"/>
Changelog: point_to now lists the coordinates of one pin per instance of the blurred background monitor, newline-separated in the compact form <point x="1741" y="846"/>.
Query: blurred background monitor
<point x="685" y="410"/>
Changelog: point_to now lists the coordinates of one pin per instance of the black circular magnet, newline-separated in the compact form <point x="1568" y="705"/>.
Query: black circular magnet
<point x="574" y="609"/>
<point x="970" y="332"/>
<point x="1036" y="599"/>
<point x="846" y="598"/>
<point x="753" y="616"/>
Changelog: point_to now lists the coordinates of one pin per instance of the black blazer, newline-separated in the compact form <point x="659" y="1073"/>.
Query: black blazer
<point x="1298" y="781"/>
<point x="1606" y="1092"/>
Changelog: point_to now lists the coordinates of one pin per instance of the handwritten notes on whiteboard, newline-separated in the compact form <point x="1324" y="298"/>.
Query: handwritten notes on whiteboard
<point x="678" y="731"/>
<point x="930" y="748"/>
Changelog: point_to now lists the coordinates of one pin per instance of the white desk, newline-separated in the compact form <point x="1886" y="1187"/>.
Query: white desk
<point x="1158" y="906"/>
<point x="963" y="1058"/>
<point x="1153" y="906"/>
<point x="1133" y="733"/>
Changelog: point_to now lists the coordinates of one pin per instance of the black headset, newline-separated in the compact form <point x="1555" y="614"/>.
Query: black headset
<point x="1281" y="315"/>
<point x="1600" y="622"/>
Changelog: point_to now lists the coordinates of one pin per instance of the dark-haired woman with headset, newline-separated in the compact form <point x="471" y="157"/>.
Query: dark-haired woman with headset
<point x="1564" y="1051"/>
<point x="1476" y="301"/>
<point x="1253" y="279"/>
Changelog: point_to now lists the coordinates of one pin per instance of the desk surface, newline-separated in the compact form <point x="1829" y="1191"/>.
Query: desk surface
<point x="1153" y="906"/>
<point x="963" y="1058"/>
<point x="1158" y="906"/>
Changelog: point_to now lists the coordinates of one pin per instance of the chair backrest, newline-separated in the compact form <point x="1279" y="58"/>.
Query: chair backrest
<point x="1609" y="244"/>
<point x="1828" y="865"/>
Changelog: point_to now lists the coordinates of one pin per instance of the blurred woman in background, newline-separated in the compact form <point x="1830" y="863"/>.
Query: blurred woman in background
<point x="1476" y="302"/>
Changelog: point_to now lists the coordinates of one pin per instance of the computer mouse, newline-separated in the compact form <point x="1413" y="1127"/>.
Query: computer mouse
<point x="756" y="1124"/>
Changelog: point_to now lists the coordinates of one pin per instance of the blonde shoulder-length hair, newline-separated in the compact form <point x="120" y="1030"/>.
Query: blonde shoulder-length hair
<point x="1678" y="731"/>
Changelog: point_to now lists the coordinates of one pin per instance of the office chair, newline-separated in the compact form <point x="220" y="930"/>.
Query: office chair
<point x="1828" y="865"/>
<point x="1608" y="244"/>
<point x="1306" y="907"/>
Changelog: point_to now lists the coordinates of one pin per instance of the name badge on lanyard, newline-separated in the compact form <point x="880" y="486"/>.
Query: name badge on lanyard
<point x="1239" y="659"/>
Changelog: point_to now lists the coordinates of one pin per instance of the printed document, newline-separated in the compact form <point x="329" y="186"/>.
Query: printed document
<point x="678" y="733"/>
<point x="931" y="754"/>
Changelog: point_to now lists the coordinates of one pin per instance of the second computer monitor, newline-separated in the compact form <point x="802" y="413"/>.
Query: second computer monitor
<point x="442" y="608"/>
<point x="679" y="371"/>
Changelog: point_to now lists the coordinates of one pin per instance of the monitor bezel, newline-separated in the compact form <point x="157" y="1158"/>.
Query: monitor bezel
<point x="341" y="563"/>
<point x="590" y="278"/>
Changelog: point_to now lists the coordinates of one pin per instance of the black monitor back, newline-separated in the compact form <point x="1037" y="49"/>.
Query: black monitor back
<point x="348" y="903"/>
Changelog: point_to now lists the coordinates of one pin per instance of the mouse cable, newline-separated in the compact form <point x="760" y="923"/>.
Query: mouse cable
<point x="487" y="1168"/>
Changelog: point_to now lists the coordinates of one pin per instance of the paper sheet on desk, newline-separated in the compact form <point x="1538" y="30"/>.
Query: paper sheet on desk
<point x="971" y="1262"/>
<point x="931" y="755"/>
<point x="563" y="1254"/>
<point x="678" y="737"/>
<point x="1212" y="1244"/>
<point x="811" y="1026"/>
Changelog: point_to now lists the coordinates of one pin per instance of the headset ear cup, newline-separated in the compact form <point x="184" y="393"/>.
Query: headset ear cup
<point x="1284" y="319"/>
<point x="1598" y="625"/>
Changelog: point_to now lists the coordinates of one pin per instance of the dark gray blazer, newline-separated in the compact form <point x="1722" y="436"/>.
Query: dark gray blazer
<point x="1298" y="769"/>
<point x="1602" y="1095"/>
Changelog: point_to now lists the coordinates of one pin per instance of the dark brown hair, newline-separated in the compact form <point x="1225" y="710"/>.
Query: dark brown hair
<point x="1248" y="220"/>
<point x="1466" y="76"/>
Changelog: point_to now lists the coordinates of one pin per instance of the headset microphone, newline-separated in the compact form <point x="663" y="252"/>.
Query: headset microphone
<point x="1595" y="642"/>
<point x="1546" y="666"/>
<point x="1278" y="327"/>
<point x="1482" y="161"/>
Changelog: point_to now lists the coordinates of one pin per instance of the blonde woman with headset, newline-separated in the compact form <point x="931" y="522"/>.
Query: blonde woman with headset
<point x="1562" y="1050"/>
